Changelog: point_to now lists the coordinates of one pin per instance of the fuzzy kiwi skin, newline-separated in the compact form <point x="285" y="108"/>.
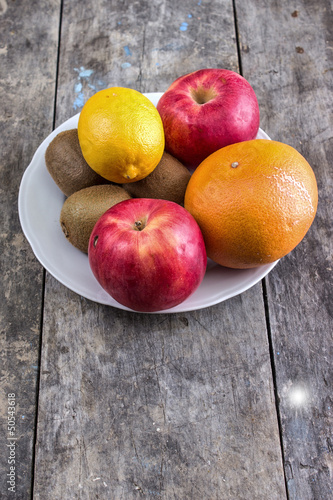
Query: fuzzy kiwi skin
<point x="82" y="209"/>
<point x="66" y="165"/>
<point x="168" y="181"/>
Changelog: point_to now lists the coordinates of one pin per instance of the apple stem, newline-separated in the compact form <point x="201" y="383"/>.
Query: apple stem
<point x="202" y="95"/>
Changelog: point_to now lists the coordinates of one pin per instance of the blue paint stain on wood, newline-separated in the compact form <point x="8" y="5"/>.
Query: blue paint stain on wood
<point x="78" y="87"/>
<point x="126" y="65"/>
<point x="84" y="73"/>
<point x="79" y="101"/>
<point x="83" y="76"/>
<point x="183" y="26"/>
<point x="127" y="50"/>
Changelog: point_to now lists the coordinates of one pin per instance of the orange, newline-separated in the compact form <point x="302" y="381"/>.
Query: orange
<point x="121" y="134"/>
<point x="254" y="202"/>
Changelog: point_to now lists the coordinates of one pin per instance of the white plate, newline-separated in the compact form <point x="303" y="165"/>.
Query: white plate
<point x="40" y="202"/>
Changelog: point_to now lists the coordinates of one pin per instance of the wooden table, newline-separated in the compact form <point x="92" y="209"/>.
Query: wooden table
<point x="229" y="402"/>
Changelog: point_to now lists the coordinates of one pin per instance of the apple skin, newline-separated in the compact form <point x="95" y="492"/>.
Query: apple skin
<point x="153" y="268"/>
<point x="205" y="111"/>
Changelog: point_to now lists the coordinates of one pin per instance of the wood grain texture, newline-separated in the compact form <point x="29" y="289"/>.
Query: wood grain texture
<point x="139" y="45"/>
<point x="28" y="51"/>
<point x="289" y="61"/>
<point x="152" y="406"/>
<point x="170" y="406"/>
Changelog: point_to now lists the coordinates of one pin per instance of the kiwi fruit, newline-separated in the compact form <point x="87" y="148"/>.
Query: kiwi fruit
<point x="67" y="166"/>
<point x="168" y="181"/>
<point x="82" y="209"/>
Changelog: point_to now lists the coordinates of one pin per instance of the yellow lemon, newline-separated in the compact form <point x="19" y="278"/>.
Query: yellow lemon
<point x="121" y="134"/>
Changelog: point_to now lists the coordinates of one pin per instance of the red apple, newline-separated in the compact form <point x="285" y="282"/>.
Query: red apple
<point x="149" y="255"/>
<point x="205" y="111"/>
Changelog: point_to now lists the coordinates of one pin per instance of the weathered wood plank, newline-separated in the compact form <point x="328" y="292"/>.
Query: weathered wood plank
<point x="289" y="61"/>
<point x="170" y="406"/>
<point x="140" y="45"/>
<point x="28" y="53"/>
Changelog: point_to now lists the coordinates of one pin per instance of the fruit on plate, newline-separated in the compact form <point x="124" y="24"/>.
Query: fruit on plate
<point x="205" y="111"/>
<point x="82" y="209"/>
<point x="148" y="254"/>
<point x="66" y="165"/>
<point x="254" y="202"/>
<point x="167" y="181"/>
<point x="121" y="134"/>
